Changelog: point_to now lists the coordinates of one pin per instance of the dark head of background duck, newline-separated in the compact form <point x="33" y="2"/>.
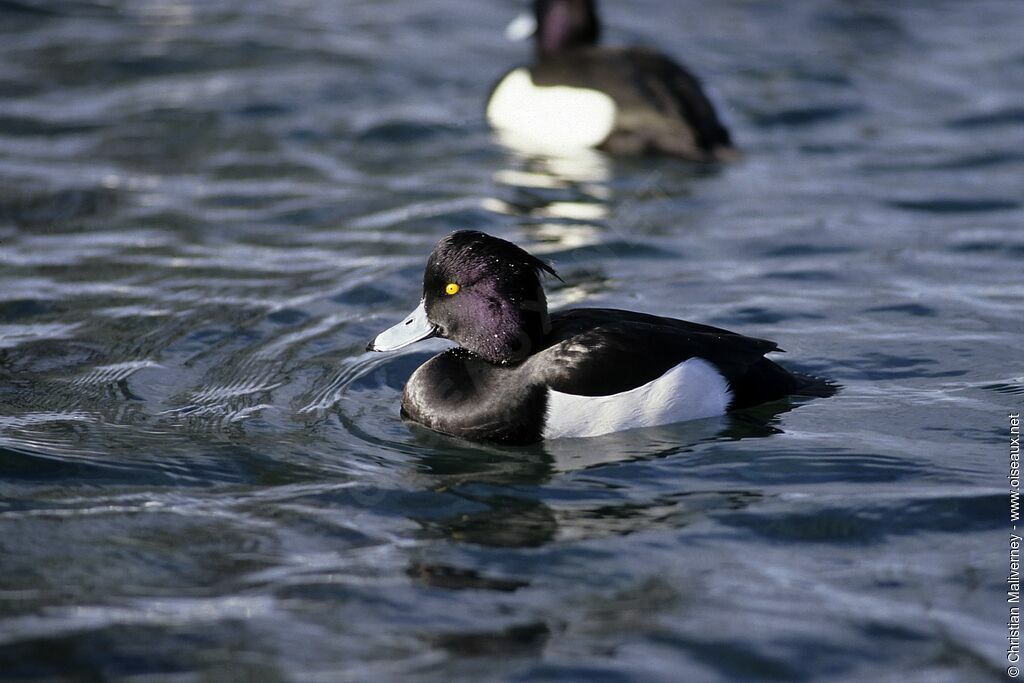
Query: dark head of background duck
<point x="500" y="312"/>
<point x="565" y="24"/>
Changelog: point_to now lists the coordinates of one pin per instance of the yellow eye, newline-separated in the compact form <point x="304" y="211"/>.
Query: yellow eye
<point x="451" y="288"/>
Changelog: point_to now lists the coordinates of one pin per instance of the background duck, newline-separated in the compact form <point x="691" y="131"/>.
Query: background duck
<point x="627" y="100"/>
<point x="520" y="374"/>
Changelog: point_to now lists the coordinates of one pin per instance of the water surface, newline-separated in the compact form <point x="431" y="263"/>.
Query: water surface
<point x="208" y="208"/>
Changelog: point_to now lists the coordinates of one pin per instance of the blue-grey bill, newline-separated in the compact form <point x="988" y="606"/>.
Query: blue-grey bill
<point x="521" y="28"/>
<point x="414" y="328"/>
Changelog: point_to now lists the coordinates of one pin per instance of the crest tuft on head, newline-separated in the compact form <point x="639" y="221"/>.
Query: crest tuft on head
<point x="472" y="246"/>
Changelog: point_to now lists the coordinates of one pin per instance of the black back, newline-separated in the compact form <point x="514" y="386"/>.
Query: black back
<point x="599" y="352"/>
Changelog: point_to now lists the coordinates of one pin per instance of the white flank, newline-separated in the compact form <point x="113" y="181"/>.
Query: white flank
<point x="553" y="117"/>
<point x="689" y="391"/>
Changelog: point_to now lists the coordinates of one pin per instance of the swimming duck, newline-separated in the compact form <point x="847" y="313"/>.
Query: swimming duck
<point x="520" y="374"/>
<point x="624" y="100"/>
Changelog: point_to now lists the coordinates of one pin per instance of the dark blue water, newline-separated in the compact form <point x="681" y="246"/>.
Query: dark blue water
<point x="207" y="209"/>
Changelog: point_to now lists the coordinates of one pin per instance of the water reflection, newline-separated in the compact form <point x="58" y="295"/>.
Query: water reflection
<point x="562" y="200"/>
<point x="498" y="485"/>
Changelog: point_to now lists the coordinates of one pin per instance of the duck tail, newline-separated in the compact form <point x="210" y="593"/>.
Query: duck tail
<point x="814" y="387"/>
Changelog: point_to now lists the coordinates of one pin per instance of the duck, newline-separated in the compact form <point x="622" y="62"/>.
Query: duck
<point x="622" y="100"/>
<point x="520" y="374"/>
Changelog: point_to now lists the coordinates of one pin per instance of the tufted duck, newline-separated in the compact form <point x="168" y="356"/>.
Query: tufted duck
<point x="619" y="99"/>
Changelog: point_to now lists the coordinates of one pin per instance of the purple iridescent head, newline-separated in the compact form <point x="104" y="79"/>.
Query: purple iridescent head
<point x="496" y="308"/>
<point x="565" y="24"/>
<point x="482" y="293"/>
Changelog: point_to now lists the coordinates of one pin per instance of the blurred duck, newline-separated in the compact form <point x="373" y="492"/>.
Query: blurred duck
<point x="623" y="100"/>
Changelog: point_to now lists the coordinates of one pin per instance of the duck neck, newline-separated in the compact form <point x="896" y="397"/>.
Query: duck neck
<point x="564" y="25"/>
<point x="519" y="329"/>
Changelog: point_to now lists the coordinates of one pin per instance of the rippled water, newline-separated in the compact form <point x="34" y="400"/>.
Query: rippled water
<point x="208" y="208"/>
